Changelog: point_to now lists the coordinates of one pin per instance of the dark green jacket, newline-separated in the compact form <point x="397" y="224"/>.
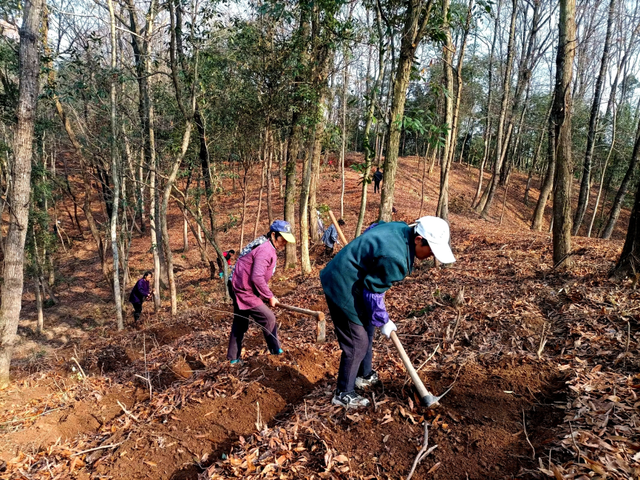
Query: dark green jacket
<point x="375" y="260"/>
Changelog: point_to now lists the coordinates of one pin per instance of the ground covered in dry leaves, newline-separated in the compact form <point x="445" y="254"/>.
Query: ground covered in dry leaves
<point x="543" y="366"/>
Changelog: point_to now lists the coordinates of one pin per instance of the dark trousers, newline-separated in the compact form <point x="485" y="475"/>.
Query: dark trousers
<point x="137" y="311"/>
<point x="376" y="186"/>
<point x="356" y="343"/>
<point x="262" y="315"/>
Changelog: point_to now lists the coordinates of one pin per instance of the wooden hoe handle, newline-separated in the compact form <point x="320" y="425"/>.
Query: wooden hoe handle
<point x="343" y="239"/>
<point x="426" y="398"/>
<point x="321" y="329"/>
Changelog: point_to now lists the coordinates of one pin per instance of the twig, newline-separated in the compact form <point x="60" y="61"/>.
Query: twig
<point x="146" y="369"/>
<point x="543" y="340"/>
<point x="574" y="440"/>
<point x="148" y="383"/>
<point x="524" y="426"/>
<point x="259" y="423"/>
<point x="113" y="445"/>
<point x="626" y="350"/>
<point x="81" y="370"/>
<point x="31" y="417"/>
<point x="455" y="329"/>
<point x="424" y="363"/>
<point x="452" y="383"/>
<point x="424" y="451"/>
<point x="124" y="409"/>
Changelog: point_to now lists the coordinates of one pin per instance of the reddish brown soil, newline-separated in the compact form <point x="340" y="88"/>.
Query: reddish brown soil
<point x="505" y="411"/>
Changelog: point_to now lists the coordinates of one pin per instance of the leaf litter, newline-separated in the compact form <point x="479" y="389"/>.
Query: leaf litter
<point x="546" y="366"/>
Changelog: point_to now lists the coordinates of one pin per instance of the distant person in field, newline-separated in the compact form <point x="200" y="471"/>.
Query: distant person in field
<point x="141" y="291"/>
<point x="354" y="284"/>
<point x="249" y="289"/>
<point x="330" y="237"/>
<point x="377" y="178"/>
<point x="227" y="256"/>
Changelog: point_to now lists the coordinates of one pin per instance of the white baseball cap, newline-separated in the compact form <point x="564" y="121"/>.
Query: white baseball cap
<point x="436" y="232"/>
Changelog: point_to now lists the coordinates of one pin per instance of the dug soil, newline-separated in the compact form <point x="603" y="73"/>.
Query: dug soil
<point x="539" y="365"/>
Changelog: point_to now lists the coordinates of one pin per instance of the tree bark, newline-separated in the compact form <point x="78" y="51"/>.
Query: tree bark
<point x="562" y="118"/>
<point x="614" y="213"/>
<point x="547" y="185"/>
<point x="369" y="152"/>
<point x="115" y="172"/>
<point x="629" y="262"/>
<point x="415" y="24"/>
<point x="269" y="148"/>
<point x="13" y="272"/>
<point x="290" y="190"/>
<point x="487" y="128"/>
<point x="303" y="216"/>
<point x="594" y="117"/>
<point x="500" y="146"/>
<point x="536" y="155"/>
<point x="442" y="209"/>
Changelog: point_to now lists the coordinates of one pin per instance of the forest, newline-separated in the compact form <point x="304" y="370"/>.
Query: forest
<point x="140" y="135"/>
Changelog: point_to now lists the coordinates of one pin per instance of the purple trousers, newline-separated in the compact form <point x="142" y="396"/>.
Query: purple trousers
<point x="261" y="315"/>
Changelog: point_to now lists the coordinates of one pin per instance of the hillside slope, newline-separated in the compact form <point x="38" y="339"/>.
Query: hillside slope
<point x="543" y="366"/>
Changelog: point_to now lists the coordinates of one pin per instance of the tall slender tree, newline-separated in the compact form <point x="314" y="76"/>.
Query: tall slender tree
<point x="416" y="19"/>
<point x="562" y="118"/>
<point x="594" y="118"/>
<point x="20" y="178"/>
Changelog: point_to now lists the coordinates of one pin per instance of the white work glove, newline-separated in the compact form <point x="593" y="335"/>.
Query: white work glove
<point x="387" y="328"/>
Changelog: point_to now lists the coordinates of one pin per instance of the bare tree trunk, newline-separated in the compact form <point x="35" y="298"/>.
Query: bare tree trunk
<point x="614" y="131"/>
<point x="424" y="172"/>
<point x="290" y="190"/>
<point x="452" y="111"/>
<point x="315" y="179"/>
<point x="303" y="216"/>
<point x="255" y="228"/>
<point x="547" y="185"/>
<point x="536" y="155"/>
<point x="269" y="152"/>
<point x="345" y="79"/>
<point x="594" y="117"/>
<point x="614" y="213"/>
<point x="40" y="321"/>
<point x="245" y="195"/>
<point x="414" y="29"/>
<point x="186" y="137"/>
<point x="562" y="116"/>
<point x="442" y="209"/>
<point x="629" y="262"/>
<point x="20" y="184"/>
<point x="369" y="152"/>
<point x="487" y="128"/>
<point x="500" y="143"/>
<point x="115" y="173"/>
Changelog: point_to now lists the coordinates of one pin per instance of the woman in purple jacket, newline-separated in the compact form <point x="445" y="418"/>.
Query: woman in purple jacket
<point x="249" y="288"/>
<point x="141" y="291"/>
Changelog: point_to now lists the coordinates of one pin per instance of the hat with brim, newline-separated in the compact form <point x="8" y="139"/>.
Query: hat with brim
<point x="436" y="232"/>
<point x="284" y="229"/>
<point x="288" y="237"/>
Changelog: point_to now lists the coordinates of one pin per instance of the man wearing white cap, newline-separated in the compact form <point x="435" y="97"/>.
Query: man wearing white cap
<point x="355" y="282"/>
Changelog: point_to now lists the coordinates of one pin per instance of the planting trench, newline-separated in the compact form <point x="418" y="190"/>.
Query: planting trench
<point x="213" y="410"/>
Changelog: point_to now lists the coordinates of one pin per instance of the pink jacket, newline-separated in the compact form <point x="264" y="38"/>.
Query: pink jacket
<point x="252" y="274"/>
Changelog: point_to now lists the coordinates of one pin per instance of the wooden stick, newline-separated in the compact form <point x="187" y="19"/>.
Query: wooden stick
<point x="321" y="329"/>
<point x="426" y="397"/>
<point x="101" y="447"/>
<point x="343" y="239"/>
